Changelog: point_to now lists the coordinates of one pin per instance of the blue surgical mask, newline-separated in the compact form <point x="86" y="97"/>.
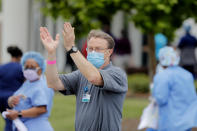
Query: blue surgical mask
<point x="96" y="58"/>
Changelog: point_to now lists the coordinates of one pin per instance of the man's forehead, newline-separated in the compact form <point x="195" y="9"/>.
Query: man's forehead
<point x="97" y="42"/>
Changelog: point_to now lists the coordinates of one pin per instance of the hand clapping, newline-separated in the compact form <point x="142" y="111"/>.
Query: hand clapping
<point x="69" y="36"/>
<point x="48" y="42"/>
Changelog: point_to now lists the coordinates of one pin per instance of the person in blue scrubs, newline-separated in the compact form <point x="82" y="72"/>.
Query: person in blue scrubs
<point x="11" y="78"/>
<point x="175" y="94"/>
<point x="160" y="42"/>
<point x="35" y="98"/>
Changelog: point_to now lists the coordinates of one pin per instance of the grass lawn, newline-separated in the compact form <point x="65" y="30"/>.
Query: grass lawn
<point x="63" y="112"/>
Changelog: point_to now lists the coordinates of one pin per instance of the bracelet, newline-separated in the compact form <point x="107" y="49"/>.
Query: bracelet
<point x="51" y="62"/>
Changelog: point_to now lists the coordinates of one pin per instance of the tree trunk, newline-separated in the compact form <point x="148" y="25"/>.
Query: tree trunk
<point x="151" y="55"/>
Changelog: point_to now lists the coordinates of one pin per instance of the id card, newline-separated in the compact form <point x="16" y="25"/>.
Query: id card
<point x="86" y="98"/>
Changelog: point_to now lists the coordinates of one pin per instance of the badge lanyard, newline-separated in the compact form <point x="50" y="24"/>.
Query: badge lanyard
<point x="86" y="93"/>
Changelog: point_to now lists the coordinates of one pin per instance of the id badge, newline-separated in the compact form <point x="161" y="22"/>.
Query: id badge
<point x="86" y="98"/>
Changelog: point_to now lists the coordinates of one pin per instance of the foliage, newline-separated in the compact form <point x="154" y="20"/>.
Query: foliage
<point x="0" y="5"/>
<point x="151" y="16"/>
<point x="162" y="16"/>
<point x="138" y="83"/>
<point x="85" y="14"/>
<point x="195" y="83"/>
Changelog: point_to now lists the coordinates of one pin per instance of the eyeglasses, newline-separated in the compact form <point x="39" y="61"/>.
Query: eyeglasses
<point x="96" y="49"/>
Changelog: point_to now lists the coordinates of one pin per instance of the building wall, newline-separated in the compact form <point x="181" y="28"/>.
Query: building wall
<point x="14" y="26"/>
<point x="134" y="35"/>
<point x="21" y="20"/>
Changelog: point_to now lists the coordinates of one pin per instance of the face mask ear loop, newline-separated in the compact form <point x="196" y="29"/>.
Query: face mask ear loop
<point x="37" y="69"/>
<point x="108" y="52"/>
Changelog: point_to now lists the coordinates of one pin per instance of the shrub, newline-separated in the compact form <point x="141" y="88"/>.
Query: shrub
<point x="195" y="83"/>
<point x="138" y="83"/>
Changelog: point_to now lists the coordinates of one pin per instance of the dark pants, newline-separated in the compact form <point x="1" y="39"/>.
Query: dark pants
<point x="8" y="125"/>
<point x="3" y="107"/>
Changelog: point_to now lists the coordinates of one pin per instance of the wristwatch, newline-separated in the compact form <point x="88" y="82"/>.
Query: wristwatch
<point x="19" y="114"/>
<point x="74" y="49"/>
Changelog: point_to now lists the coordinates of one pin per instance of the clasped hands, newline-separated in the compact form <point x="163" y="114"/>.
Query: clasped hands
<point x="12" y="102"/>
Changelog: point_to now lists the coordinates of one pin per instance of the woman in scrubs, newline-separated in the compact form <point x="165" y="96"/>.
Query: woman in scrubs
<point x="175" y="94"/>
<point x="160" y="42"/>
<point x="11" y="78"/>
<point x="32" y="103"/>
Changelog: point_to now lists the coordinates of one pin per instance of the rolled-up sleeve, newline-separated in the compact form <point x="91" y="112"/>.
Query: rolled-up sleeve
<point x="39" y="98"/>
<point x="115" y="80"/>
<point x="70" y="82"/>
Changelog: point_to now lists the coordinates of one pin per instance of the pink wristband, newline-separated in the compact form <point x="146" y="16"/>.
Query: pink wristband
<point x="51" y="62"/>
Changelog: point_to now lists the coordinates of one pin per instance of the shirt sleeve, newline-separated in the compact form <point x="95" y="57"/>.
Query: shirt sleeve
<point x="70" y="82"/>
<point x="161" y="88"/>
<point x="39" y="98"/>
<point x="115" y="80"/>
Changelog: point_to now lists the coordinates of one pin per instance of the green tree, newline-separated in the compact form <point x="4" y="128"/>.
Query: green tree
<point x="165" y="16"/>
<point x="85" y="14"/>
<point x="151" y="16"/>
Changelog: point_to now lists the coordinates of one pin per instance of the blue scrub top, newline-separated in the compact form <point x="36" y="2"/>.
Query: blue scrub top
<point x="175" y="94"/>
<point x="36" y="94"/>
<point x="11" y="78"/>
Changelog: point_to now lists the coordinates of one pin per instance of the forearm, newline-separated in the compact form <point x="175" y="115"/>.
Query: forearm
<point x="160" y="97"/>
<point x="52" y="76"/>
<point x="10" y="103"/>
<point x="161" y="101"/>
<point x="90" y="72"/>
<point x="34" y="111"/>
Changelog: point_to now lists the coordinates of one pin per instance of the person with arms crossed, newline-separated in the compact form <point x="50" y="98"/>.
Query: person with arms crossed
<point x="99" y="87"/>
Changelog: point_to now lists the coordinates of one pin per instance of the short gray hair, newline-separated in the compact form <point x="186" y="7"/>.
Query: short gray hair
<point x="102" y="35"/>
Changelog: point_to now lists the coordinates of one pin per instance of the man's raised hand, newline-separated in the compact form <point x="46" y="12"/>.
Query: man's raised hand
<point x="69" y="36"/>
<point x="49" y="43"/>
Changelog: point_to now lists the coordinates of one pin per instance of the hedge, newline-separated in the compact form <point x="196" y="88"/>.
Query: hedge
<point x="138" y="83"/>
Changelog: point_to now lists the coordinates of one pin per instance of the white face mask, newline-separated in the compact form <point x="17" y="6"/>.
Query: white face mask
<point x="31" y="74"/>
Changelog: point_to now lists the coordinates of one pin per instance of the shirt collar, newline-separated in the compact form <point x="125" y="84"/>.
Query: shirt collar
<point x="107" y="66"/>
